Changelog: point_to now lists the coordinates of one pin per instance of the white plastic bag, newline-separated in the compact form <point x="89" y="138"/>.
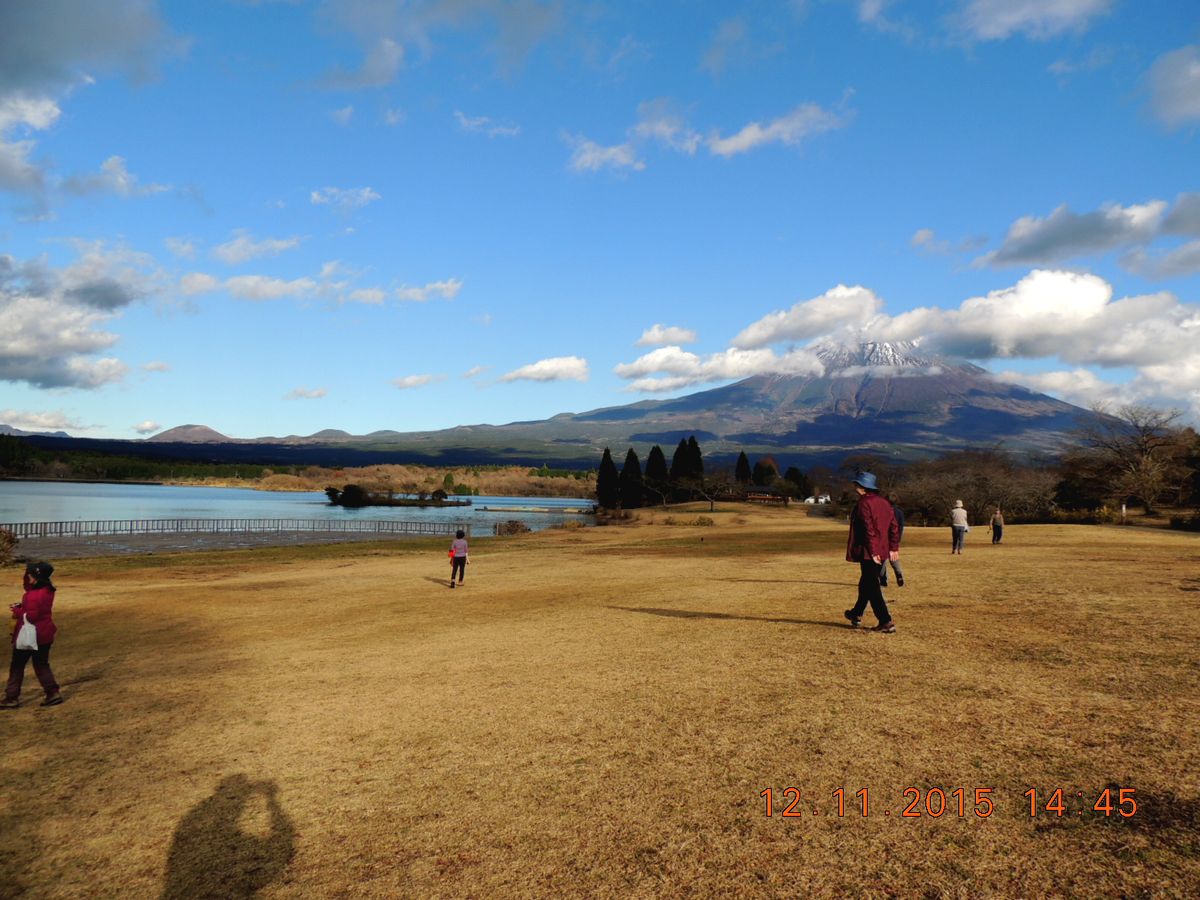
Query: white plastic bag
<point x="27" y="636"/>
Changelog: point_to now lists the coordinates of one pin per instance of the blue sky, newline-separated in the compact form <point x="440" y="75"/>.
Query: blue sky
<point x="276" y="217"/>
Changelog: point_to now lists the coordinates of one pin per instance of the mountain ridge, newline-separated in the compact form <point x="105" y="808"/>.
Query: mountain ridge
<point x="897" y="398"/>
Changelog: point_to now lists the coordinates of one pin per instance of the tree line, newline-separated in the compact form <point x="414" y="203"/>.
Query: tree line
<point x="1135" y="456"/>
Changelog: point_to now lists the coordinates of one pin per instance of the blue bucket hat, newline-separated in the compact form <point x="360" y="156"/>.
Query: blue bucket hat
<point x="866" y="480"/>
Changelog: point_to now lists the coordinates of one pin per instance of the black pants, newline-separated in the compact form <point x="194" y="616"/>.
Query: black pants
<point x="869" y="592"/>
<point x="460" y="566"/>
<point x="41" y="668"/>
<point x="997" y="533"/>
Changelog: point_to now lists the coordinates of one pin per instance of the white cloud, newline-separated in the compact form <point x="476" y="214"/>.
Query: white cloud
<point x="342" y="116"/>
<point x="244" y="248"/>
<point x="303" y="393"/>
<point x="198" y="283"/>
<point x="790" y="129"/>
<point x="1050" y="314"/>
<point x="22" y="113"/>
<point x="383" y="61"/>
<point x="1079" y="386"/>
<point x="1176" y="263"/>
<point x="558" y="368"/>
<point x="393" y="116"/>
<point x="658" y="121"/>
<point x="148" y="426"/>
<point x="1175" y="86"/>
<point x="156" y="365"/>
<point x="52" y="43"/>
<point x="447" y="290"/>
<point x="344" y="198"/>
<point x="729" y="44"/>
<point x="372" y="296"/>
<point x="989" y="20"/>
<point x="475" y="371"/>
<point x="925" y="239"/>
<point x="837" y="308"/>
<point x="387" y="29"/>
<point x="113" y="178"/>
<point x="588" y="156"/>
<point x="1064" y="234"/>
<point x="408" y="382"/>
<point x="484" y="125"/>
<point x="657" y="335"/>
<point x="683" y="368"/>
<point x="39" y="421"/>
<point x="184" y="248"/>
<point x="262" y="287"/>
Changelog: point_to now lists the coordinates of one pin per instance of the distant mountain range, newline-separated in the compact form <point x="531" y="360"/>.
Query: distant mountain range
<point x="893" y="399"/>
<point x="17" y="432"/>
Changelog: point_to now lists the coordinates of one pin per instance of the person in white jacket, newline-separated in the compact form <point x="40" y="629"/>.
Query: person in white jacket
<point x="959" y="526"/>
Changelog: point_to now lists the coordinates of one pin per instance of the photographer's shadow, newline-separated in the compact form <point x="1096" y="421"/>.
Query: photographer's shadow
<point x="225" y="847"/>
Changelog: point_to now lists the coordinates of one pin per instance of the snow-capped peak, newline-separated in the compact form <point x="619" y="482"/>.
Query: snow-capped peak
<point x="889" y="354"/>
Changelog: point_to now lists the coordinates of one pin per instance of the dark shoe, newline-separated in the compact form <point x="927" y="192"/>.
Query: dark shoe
<point x="883" y="582"/>
<point x="9" y="704"/>
<point x="452" y="585"/>
<point x="854" y="620"/>
<point x="53" y="701"/>
<point x="899" y="582"/>
<point x="888" y="627"/>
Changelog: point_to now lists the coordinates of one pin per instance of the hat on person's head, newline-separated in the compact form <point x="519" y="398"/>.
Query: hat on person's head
<point x="866" y="481"/>
<point x="958" y="504"/>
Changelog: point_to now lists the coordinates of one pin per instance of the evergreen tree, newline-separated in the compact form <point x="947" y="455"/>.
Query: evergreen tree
<point x="608" y="483"/>
<point x="657" y="477"/>
<point x="695" y="460"/>
<point x="631" y="482"/>
<point x="765" y="472"/>
<point x="679" y="462"/>
<point x="741" y="472"/>
<point x="800" y="483"/>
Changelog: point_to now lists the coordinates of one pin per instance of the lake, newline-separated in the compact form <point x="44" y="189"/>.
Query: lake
<point x="55" y="501"/>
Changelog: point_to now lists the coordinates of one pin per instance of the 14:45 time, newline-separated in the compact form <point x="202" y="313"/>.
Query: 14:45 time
<point x="1125" y="805"/>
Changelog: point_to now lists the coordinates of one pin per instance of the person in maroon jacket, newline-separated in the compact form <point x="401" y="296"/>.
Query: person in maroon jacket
<point x="874" y="539"/>
<point x="36" y="604"/>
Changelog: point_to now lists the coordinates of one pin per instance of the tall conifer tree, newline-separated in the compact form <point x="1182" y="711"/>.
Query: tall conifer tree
<point x="631" y="482"/>
<point x="608" y="482"/>
<point x="695" y="459"/>
<point x="741" y="471"/>
<point x="657" y="476"/>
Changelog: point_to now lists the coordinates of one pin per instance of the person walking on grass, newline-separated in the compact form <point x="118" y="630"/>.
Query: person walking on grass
<point x="874" y="539"/>
<point x="35" y="607"/>
<point x="997" y="526"/>
<point x="458" y="556"/>
<point x="883" y="571"/>
<point x="959" y="526"/>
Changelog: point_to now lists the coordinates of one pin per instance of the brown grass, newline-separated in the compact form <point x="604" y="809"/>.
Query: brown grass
<point x="597" y="711"/>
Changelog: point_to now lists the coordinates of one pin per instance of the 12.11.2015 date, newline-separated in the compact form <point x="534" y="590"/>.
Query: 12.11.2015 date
<point x="961" y="802"/>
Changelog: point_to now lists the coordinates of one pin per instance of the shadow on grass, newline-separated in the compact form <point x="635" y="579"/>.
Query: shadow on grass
<point x="444" y="582"/>
<point x="213" y="855"/>
<point x="692" y="614"/>
<point x="849" y="584"/>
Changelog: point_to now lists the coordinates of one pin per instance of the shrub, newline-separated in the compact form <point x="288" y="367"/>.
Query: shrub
<point x="702" y="521"/>
<point x="511" y="527"/>
<point x="1186" y="523"/>
<point x="8" y="546"/>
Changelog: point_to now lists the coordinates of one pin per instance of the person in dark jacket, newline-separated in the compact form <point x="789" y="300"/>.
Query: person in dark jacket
<point x="874" y="539"/>
<point x="36" y="605"/>
<point x="883" y="571"/>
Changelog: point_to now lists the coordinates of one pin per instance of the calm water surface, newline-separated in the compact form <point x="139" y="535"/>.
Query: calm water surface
<point x="46" y="501"/>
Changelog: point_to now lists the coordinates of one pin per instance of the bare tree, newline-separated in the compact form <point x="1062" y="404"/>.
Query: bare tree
<point x="1139" y="447"/>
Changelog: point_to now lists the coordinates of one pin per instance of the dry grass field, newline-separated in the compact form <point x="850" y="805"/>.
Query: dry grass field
<point x="598" y="711"/>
